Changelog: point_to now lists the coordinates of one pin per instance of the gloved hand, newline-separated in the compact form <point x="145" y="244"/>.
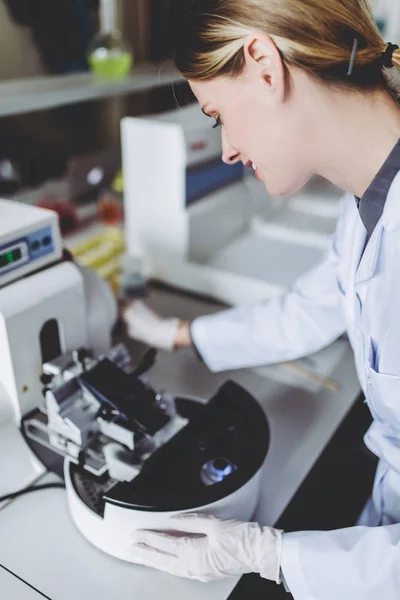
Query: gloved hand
<point x="145" y="325"/>
<point x="206" y="548"/>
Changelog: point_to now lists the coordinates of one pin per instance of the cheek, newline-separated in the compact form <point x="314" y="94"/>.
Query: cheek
<point x="275" y="145"/>
<point x="254" y="134"/>
<point x="246" y="132"/>
<point x="281" y="144"/>
<point x="280" y="154"/>
<point x="241" y="126"/>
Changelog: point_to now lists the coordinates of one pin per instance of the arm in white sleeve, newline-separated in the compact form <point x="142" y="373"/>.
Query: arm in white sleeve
<point x="299" y="322"/>
<point x="358" y="563"/>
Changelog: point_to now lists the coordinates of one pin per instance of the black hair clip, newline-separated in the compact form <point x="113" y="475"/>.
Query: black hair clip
<point x="386" y="58"/>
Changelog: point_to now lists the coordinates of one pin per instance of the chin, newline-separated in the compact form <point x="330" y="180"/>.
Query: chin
<point x="285" y="188"/>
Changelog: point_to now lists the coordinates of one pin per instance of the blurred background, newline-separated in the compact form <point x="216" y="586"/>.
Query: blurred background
<point x="46" y="154"/>
<point x="60" y="140"/>
<point x="41" y="38"/>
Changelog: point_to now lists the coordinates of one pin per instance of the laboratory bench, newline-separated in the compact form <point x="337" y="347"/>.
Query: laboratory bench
<point x="317" y="475"/>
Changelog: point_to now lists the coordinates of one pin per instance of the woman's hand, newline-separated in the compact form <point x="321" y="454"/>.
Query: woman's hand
<point x="206" y="548"/>
<point x="145" y="325"/>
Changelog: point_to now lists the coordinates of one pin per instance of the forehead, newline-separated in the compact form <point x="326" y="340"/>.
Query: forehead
<point x="210" y="91"/>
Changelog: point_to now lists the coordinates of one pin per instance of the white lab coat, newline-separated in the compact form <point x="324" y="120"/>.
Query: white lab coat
<point x="363" y="298"/>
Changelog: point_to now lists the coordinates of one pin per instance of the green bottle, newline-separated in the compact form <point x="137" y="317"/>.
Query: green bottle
<point x="110" y="56"/>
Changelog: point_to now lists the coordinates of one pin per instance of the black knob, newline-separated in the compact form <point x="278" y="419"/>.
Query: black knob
<point x="45" y="378"/>
<point x="79" y="357"/>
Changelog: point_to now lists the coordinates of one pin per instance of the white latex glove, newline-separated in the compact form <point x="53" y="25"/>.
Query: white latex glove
<point x="145" y="325"/>
<point x="206" y="548"/>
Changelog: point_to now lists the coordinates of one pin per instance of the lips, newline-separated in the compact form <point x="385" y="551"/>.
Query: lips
<point x="256" y="170"/>
<point x="253" y="166"/>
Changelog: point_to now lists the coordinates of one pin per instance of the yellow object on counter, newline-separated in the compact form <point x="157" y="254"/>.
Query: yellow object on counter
<point x="102" y="251"/>
<point x="118" y="183"/>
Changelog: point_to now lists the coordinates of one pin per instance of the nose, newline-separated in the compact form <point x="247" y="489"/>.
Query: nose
<point x="229" y="155"/>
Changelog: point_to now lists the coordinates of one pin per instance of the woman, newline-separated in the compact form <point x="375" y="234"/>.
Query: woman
<point x="301" y="87"/>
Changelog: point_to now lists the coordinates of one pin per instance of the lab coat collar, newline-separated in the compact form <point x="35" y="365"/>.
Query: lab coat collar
<point x="391" y="214"/>
<point x="389" y="221"/>
<point x="369" y="258"/>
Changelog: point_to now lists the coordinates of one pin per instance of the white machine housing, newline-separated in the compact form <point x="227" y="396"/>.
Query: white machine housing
<point x="210" y="228"/>
<point x="65" y="307"/>
<point x="61" y="307"/>
<point x="59" y="405"/>
<point x="113" y="533"/>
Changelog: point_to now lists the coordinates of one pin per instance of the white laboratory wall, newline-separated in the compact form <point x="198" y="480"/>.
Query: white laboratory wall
<point x="387" y="14"/>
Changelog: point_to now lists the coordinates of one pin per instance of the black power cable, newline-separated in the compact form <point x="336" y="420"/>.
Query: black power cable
<point x="30" y="489"/>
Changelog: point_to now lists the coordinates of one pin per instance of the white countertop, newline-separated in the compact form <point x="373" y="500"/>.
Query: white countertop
<point x="12" y="588"/>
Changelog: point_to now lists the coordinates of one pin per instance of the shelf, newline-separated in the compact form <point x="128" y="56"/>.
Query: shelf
<point x="41" y="93"/>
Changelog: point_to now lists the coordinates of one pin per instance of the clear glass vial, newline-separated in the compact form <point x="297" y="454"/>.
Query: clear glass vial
<point x="110" y="56"/>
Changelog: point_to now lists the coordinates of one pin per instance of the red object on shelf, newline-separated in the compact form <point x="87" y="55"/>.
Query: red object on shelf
<point x="109" y="209"/>
<point x="67" y="215"/>
<point x="197" y="146"/>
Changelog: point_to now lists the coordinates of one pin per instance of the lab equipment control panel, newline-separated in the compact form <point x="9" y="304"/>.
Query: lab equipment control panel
<point x="29" y="240"/>
<point x="28" y="249"/>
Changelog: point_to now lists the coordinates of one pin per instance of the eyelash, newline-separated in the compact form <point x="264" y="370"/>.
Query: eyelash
<point x="217" y="123"/>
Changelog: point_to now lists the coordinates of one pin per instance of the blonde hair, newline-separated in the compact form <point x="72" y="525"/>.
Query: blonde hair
<point x="316" y="35"/>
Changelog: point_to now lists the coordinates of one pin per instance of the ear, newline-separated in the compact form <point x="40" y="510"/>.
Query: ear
<point x="263" y="60"/>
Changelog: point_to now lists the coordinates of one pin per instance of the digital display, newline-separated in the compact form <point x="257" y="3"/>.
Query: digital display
<point x="10" y="257"/>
